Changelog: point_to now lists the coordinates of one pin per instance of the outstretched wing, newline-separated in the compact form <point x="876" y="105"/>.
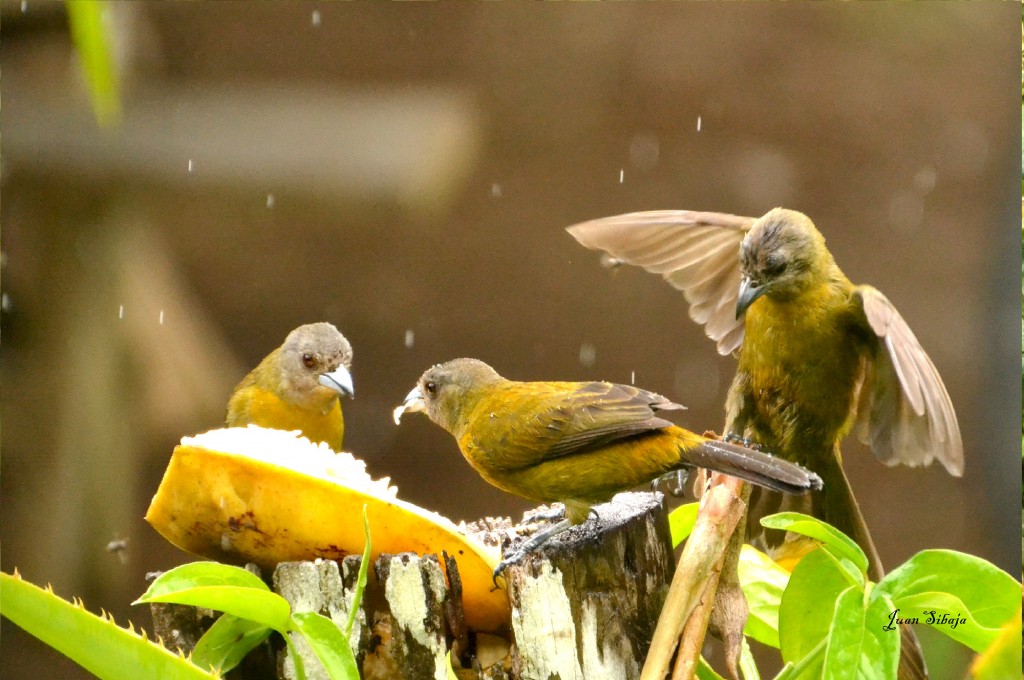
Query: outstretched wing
<point x="563" y="419"/>
<point x="903" y="410"/>
<point x="696" y="252"/>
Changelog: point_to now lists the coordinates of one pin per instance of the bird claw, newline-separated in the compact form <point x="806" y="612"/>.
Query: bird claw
<point x="733" y="438"/>
<point x="548" y="515"/>
<point x="505" y="563"/>
<point x="679" y="489"/>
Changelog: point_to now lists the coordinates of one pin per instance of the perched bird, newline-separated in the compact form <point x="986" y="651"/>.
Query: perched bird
<point x="298" y="386"/>
<point x="578" y="443"/>
<point x="819" y="357"/>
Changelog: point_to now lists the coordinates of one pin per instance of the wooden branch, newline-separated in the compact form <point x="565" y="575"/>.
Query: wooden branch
<point x="692" y="640"/>
<point x="720" y="512"/>
<point x="584" y="605"/>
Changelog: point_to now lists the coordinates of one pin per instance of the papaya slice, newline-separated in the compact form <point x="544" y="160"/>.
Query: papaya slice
<point x="266" y="496"/>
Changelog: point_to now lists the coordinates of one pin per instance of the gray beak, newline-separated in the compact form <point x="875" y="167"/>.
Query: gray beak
<point x="747" y="294"/>
<point x="413" y="404"/>
<point x="339" y="380"/>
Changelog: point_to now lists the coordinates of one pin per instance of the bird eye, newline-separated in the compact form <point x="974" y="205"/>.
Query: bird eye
<point x="308" y="361"/>
<point x="431" y="387"/>
<point x="776" y="268"/>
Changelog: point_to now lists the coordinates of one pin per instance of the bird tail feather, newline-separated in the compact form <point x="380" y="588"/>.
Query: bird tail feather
<point x="756" y="467"/>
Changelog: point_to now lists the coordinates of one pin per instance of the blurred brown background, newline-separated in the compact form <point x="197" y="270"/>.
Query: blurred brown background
<point x="405" y="171"/>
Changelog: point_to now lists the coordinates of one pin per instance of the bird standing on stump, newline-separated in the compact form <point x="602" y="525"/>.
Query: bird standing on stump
<point x="578" y="443"/>
<point x="818" y="356"/>
<point x="298" y="386"/>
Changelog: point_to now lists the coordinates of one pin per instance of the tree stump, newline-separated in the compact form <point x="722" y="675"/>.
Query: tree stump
<point x="585" y="605"/>
<point x="320" y="586"/>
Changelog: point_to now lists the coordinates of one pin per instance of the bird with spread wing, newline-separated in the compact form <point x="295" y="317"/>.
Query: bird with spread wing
<point x="819" y="357"/>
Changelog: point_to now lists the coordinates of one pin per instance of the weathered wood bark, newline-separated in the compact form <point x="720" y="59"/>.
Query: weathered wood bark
<point x="410" y="631"/>
<point x="321" y="587"/>
<point x="585" y="605"/>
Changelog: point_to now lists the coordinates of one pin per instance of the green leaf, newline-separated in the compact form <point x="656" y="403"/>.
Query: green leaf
<point x="838" y="543"/>
<point x="763" y="582"/>
<point x="1002" y="658"/>
<point x="788" y="672"/>
<point x="805" y="613"/>
<point x="857" y="646"/>
<point x="197" y="574"/>
<point x="948" y="614"/>
<point x="704" y="671"/>
<point x="95" y="643"/>
<point x="748" y="669"/>
<point x="92" y="45"/>
<point x="364" y="563"/>
<point x="960" y="585"/>
<point x="681" y="521"/>
<point x="221" y="587"/>
<point x="227" y="642"/>
<point x="328" y="643"/>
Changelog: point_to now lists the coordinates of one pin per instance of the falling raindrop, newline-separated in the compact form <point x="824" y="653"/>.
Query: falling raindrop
<point x="622" y="175"/>
<point x="925" y="178"/>
<point x="316" y="17"/>
<point x="698" y="123"/>
<point x="410" y="338"/>
<point x="610" y="261"/>
<point x="632" y="378"/>
<point x="120" y="311"/>
<point x="495" y="190"/>
<point x="161" y="317"/>
<point x="190" y="166"/>
<point x="588" y="354"/>
<point x="24" y="6"/>
<point x="270" y="200"/>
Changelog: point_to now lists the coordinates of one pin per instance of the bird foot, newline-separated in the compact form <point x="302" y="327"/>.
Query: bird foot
<point x="528" y="546"/>
<point x="679" y="489"/>
<point x="549" y="515"/>
<point x="733" y="438"/>
<point x="506" y="562"/>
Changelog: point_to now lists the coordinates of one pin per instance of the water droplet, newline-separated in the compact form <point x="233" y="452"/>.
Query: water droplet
<point x="120" y="312"/>
<point x="588" y="354"/>
<point x="410" y="338"/>
<point x="190" y="166"/>
<point x="316" y="17"/>
<point x="698" y="123"/>
<point x="24" y="6"/>
<point x="925" y="178"/>
<point x="622" y="175"/>
<point x="495" y="190"/>
<point x="161" y="317"/>
<point x="5" y="302"/>
<point x="270" y="200"/>
<point x="632" y="378"/>
<point x="610" y="261"/>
